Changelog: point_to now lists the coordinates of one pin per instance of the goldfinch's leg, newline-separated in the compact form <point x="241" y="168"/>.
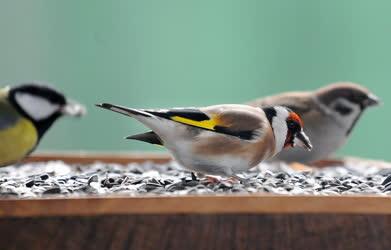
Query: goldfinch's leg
<point x="235" y="178"/>
<point x="209" y="179"/>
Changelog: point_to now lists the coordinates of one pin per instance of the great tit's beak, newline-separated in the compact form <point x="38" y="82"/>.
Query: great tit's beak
<point x="302" y="140"/>
<point x="372" y="100"/>
<point x="72" y="108"/>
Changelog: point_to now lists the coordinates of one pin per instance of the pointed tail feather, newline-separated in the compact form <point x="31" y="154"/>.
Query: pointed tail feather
<point x="149" y="137"/>
<point x="124" y="110"/>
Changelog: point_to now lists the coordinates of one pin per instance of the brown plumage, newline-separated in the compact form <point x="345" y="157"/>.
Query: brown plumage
<point x="329" y="114"/>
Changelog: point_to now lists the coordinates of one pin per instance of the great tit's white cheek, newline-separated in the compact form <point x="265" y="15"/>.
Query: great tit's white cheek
<point x="36" y="107"/>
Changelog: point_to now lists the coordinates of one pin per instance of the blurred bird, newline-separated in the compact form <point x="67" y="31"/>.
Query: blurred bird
<point x="329" y="113"/>
<point x="27" y="111"/>
<point x="219" y="140"/>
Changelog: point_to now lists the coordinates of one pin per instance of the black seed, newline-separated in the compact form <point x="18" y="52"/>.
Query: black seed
<point x="30" y="183"/>
<point x="136" y="181"/>
<point x="167" y="182"/>
<point x="193" y="176"/>
<point x="154" y="181"/>
<point x="93" y="178"/>
<point x="55" y="190"/>
<point x="44" y="177"/>
<point x="347" y="186"/>
<point x="151" y="186"/>
<point x="108" y="185"/>
<point x="387" y="188"/>
<point x="324" y="183"/>
<point x="342" y="188"/>
<point x="282" y="176"/>
<point x="386" y="180"/>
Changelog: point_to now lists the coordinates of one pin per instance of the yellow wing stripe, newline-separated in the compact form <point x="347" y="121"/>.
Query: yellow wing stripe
<point x="206" y="124"/>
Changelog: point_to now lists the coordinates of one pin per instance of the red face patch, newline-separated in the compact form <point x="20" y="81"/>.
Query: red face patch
<point x="295" y="124"/>
<point x="295" y="117"/>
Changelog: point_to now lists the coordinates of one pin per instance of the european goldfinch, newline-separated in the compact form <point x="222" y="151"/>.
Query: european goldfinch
<point x="329" y="113"/>
<point x="27" y="111"/>
<point x="219" y="140"/>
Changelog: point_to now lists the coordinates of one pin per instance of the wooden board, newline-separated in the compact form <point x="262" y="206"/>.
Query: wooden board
<point x="259" y="221"/>
<point x="223" y="204"/>
<point x="195" y="231"/>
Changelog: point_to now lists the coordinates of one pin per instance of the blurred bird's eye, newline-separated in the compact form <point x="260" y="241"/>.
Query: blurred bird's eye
<point x="342" y="109"/>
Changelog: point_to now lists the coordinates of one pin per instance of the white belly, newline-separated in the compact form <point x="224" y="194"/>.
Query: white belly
<point x="223" y="165"/>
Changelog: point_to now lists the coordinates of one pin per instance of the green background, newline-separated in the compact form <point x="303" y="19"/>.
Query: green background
<point x="194" y="53"/>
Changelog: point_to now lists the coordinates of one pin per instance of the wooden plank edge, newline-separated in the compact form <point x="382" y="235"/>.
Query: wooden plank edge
<point x="91" y="157"/>
<point x="88" y="157"/>
<point x="220" y="204"/>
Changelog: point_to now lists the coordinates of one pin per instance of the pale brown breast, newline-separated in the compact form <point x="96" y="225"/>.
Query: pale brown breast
<point x="265" y="148"/>
<point x="213" y="144"/>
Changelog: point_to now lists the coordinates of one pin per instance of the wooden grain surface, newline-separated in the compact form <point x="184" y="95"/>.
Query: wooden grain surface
<point x="192" y="222"/>
<point x="192" y="231"/>
<point x="91" y="157"/>
<point x="250" y="204"/>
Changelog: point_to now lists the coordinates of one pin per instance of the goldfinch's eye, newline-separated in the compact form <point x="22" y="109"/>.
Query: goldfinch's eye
<point x="293" y="126"/>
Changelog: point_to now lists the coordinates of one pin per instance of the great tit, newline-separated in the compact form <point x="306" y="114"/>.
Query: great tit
<point x="27" y="111"/>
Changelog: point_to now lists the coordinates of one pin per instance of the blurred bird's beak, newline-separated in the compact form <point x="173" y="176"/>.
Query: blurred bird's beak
<point x="72" y="108"/>
<point x="301" y="140"/>
<point x="372" y="100"/>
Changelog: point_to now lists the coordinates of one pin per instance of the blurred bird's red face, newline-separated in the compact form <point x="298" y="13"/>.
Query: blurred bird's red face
<point x="295" y="134"/>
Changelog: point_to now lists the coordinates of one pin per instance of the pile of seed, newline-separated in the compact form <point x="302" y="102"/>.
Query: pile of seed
<point x="41" y="179"/>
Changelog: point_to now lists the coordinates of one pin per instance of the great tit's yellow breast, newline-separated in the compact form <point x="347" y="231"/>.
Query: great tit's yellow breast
<point x="17" y="141"/>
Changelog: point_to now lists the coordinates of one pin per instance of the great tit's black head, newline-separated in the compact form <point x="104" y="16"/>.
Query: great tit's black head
<point x="37" y="102"/>
<point x="341" y="97"/>
<point x="42" y="104"/>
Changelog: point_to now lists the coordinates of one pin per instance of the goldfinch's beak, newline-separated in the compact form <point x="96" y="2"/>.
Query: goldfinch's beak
<point x="302" y="140"/>
<point x="372" y="100"/>
<point x="73" y="108"/>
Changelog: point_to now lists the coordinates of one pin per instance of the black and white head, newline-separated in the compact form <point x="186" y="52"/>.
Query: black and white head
<point x="42" y="104"/>
<point x="345" y="102"/>
<point x="287" y="128"/>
